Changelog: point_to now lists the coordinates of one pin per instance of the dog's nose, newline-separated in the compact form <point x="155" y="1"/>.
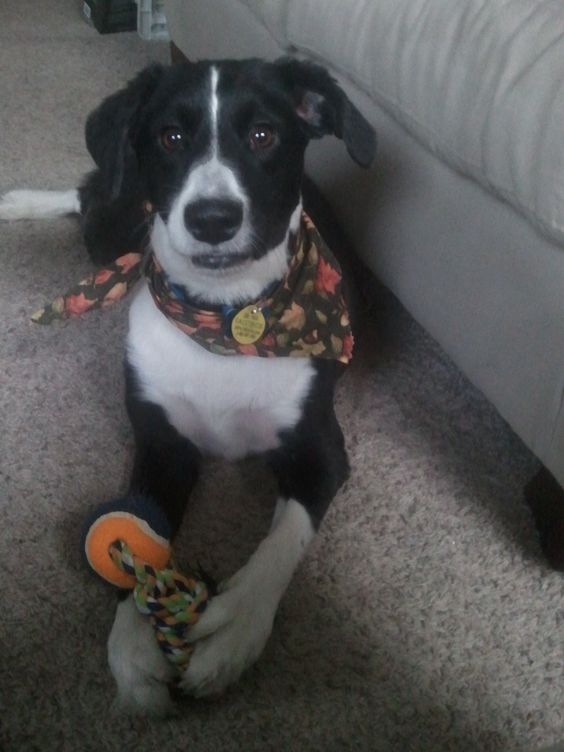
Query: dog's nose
<point x="213" y="220"/>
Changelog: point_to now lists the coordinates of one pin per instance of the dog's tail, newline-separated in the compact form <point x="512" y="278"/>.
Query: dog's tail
<point x="26" y="204"/>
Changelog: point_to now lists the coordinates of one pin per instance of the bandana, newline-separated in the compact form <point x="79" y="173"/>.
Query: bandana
<point x="100" y="289"/>
<point x="304" y="316"/>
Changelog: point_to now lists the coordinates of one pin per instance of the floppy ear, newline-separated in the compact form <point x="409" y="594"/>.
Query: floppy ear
<point x="109" y="127"/>
<point x="325" y="108"/>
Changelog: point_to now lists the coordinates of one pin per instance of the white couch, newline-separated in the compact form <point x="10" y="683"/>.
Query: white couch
<point x="462" y="216"/>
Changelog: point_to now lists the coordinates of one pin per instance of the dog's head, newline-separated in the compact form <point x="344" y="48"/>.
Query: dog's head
<point x="219" y="150"/>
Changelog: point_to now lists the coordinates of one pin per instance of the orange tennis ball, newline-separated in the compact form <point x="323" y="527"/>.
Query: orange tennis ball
<point x="138" y="523"/>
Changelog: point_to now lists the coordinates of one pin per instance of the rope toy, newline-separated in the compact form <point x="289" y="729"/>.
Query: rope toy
<point x="127" y="543"/>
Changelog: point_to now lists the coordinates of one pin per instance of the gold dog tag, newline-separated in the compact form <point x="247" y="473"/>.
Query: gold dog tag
<point x="248" y="325"/>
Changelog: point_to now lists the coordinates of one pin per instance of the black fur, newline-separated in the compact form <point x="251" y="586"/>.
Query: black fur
<point x="311" y="464"/>
<point x="299" y="99"/>
<point x="166" y="464"/>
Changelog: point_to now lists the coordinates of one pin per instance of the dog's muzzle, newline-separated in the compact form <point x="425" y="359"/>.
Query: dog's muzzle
<point x="213" y="221"/>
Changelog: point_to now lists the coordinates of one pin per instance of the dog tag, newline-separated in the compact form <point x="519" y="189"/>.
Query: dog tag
<point x="248" y="325"/>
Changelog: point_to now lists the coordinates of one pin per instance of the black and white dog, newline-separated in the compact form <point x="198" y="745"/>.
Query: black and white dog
<point x="218" y="150"/>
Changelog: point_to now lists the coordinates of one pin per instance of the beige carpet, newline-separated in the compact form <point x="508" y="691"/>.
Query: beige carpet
<point x="423" y="619"/>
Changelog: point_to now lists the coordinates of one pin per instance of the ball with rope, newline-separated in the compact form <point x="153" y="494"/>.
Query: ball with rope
<point x="127" y="543"/>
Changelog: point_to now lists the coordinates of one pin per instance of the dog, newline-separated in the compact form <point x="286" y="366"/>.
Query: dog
<point x="217" y="149"/>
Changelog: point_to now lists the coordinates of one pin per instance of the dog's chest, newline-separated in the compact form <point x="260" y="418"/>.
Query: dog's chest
<point x="227" y="405"/>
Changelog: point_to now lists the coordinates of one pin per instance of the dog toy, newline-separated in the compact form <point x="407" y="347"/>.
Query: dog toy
<point x="127" y="543"/>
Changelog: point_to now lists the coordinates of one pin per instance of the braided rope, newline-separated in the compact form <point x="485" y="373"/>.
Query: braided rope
<point x="172" y="601"/>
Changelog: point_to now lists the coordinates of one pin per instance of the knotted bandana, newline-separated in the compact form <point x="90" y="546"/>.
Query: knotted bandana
<point x="304" y="316"/>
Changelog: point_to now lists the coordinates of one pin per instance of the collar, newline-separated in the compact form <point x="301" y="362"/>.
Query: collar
<point x="181" y="293"/>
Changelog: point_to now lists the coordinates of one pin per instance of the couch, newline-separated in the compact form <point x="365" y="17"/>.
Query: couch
<point x="462" y="216"/>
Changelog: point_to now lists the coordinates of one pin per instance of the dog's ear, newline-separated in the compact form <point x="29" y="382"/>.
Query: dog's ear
<point x="109" y="128"/>
<point x="324" y="108"/>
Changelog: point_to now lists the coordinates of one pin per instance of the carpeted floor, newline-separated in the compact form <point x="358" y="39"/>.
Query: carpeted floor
<point x="423" y="618"/>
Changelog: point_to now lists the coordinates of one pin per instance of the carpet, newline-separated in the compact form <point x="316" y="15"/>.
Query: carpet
<point x="423" y="618"/>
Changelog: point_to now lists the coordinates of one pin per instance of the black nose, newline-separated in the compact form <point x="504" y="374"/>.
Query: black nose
<point x="213" y="220"/>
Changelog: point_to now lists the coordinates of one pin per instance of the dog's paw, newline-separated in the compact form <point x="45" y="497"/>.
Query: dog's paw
<point x="229" y="636"/>
<point x="140" y="669"/>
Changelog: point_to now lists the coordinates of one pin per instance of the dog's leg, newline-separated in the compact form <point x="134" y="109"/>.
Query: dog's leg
<point x="237" y="623"/>
<point x="25" y="204"/>
<point x="311" y="466"/>
<point x="165" y="470"/>
<point x="140" y="669"/>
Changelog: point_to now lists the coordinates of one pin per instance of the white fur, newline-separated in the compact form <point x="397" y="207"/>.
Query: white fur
<point x="230" y="635"/>
<point x="210" y="179"/>
<point x="236" y="625"/>
<point x="227" y="405"/>
<point x="214" y="108"/>
<point x="24" y="204"/>
<point x="138" y="665"/>
<point x="241" y="283"/>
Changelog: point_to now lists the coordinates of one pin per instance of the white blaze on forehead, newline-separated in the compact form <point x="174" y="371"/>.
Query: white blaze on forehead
<point x="214" y="109"/>
<point x="211" y="177"/>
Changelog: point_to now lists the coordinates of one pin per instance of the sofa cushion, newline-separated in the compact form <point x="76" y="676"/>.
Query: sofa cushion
<point x="480" y="82"/>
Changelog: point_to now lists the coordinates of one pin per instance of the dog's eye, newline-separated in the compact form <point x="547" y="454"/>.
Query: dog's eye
<point x="261" y="136"/>
<point x="172" y="139"/>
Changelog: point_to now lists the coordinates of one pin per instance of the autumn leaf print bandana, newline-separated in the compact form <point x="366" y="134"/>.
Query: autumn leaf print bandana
<point x="101" y="289"/>
<point x="304" y="316"/>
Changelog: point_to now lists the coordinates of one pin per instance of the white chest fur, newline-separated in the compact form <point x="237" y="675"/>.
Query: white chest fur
<point x="226" y="405"/>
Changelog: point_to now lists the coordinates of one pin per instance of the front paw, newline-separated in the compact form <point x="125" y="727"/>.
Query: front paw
<point x="229" y="637"/>
<point x="141" y="670"/>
